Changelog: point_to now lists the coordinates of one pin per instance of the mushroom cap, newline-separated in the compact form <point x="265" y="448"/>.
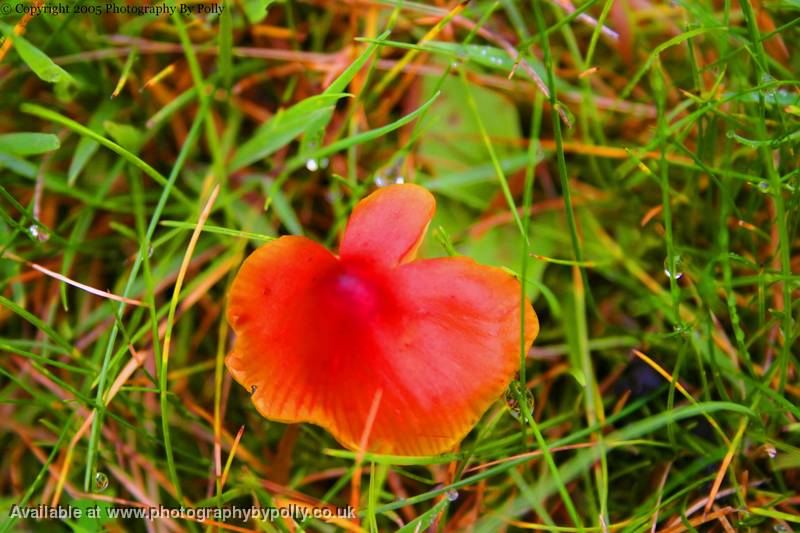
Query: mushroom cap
<point x="321" y="337"/>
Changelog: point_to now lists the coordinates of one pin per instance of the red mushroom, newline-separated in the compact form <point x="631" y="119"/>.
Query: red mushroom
<point x="320" y="337"/>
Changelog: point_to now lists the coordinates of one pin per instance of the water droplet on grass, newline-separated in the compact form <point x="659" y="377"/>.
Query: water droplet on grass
<point x="40" y="234"/>
<point x="452" y="495"/>
<point x="513" y="403"/>
<point x="312" y="165"/>
<point x="765" y="451"/>
<point x="763" y="186"/>
<point x="678" y="274"/>
<point x="383" y="181"/>
<point x="100" y="482"/>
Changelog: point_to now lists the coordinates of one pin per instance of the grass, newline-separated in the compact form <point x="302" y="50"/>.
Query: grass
<point x="633" y="163"/>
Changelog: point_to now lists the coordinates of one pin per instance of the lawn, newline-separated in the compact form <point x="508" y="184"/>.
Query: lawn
<point x="629" y="167"/>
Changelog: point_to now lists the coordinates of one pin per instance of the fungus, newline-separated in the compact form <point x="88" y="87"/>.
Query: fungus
<point x="319" y="337"/>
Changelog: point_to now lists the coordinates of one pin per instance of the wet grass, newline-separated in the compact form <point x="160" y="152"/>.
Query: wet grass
<point x="634" y="163"/>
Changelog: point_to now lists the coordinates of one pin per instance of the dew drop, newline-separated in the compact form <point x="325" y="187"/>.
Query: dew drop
<point x="100" y="482"/>
<point x="452" y="495"/>
<point x="730" y="134"/>
<point x="253" y="389"/>
<point x="513" y="404"/>
<point x="764" y="451"/>
<point x="386" y="180"/>
<point x="323" y="163"/>
<point x="40" y="234"/>
<point x="312" y="165"/>
<point x="678" y="268"/>
<point x="770" y="91"/>
<point x="763" y="186"/>
<point x="682" y="329"/>
<point x="150" y="251"/>
<point x="771" y="451"/>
